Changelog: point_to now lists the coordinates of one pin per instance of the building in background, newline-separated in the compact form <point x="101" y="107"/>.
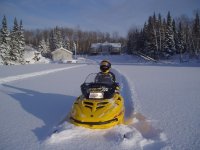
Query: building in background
<point x="62" y="54"/>
<point x="105" y="48"/>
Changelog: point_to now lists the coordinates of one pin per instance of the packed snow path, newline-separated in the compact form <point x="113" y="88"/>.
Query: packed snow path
<point x="138" y="133"/>
<point x="167" y="111"/>
<point x="34" y="74"/>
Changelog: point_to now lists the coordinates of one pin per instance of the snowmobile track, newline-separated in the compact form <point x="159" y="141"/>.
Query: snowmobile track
<point x="137" y="132"/>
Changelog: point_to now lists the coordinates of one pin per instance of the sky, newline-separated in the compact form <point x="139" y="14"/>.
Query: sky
<point x="92" y="15"/>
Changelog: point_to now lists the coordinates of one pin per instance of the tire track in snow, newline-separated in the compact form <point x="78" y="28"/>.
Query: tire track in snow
<point x="34" y="74"/>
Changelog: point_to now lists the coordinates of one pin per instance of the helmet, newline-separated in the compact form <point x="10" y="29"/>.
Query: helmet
<point x="105" y="65"/>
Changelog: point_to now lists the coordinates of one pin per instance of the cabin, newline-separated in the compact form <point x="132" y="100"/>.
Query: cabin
<point x="105" y="48"/>
<point x="94" y="49"/>
<point x="62" y="54"/>
<point x="116" y="48"/>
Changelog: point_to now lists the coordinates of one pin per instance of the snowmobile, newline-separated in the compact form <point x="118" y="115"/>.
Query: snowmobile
<point x="99" y="106"/>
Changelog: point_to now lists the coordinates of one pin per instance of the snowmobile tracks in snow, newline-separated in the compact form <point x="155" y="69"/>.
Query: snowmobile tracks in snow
<point x="136" y="133"/>
<point x="34" y="74"/>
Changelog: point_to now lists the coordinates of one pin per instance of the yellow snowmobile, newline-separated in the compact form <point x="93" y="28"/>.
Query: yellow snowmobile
<point x="100" y="106"/>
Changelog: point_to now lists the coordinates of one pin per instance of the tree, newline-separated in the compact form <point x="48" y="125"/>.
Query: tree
<point x="152" y="43"/>
<point x="21" y="42"/>
<point x="5" y="43"/>
<point x="58" y="38"/>
<point x="169" y="48"/>
<point x="15" y="52"/>
<point x="175" y="34"/>
<point x="160" y="34"/>
<point x="169" y="37"/>
<point x="196" y="35"/>
<point x="52" y="40"/>
<point x="188" y="40"/>
<point x="180" y="41"/>
<point x="44" y="48"/>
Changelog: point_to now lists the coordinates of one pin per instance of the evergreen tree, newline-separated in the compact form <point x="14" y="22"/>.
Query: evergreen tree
<point x="56" y="39"/>
<point x="160" y="34"/>
<point x="15" y="53"/>
<point x="66" y="43"/>
<point x="145" y="36"/>
<point x="176" y="36"/>
<point x="180" y="41"/>
<point x="21" y="42"/>
<point x="188" y="40"/>
<point x="169" y="37"/>
<point x="5" y="43"/>
<point x="59" y="39"/>
<point x="44" y="48"/>
<point x="130" y="45"/>
<point x="48" y="54"/>
<point x="196" y="35"/>
<point x="163" y="37"/>
<point x="52" y="41"/>
<point x="151" y="38"/>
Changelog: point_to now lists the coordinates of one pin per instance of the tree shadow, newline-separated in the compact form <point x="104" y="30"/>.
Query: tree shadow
<point x="49" y="107"/>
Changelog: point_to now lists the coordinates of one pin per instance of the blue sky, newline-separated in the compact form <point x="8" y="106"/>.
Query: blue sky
<point x="96" y="15"/>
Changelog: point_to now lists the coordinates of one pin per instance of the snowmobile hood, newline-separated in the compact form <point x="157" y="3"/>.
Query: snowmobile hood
<point x="93" y="113"/>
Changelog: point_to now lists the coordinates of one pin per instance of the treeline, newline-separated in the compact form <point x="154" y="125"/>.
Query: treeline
<point x="161" y="38"/>
<point x="12" y="43"/>
<point x="48" y="40"/>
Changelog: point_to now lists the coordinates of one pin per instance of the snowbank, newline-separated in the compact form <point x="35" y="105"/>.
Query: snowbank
<point x="32" y="56"/>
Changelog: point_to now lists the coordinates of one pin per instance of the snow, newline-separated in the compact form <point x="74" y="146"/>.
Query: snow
<point x="31" y="55"/>
<point x="161" y="101"/>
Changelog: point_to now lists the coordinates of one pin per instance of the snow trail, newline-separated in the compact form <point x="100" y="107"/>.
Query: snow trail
<point x="126" y="93"/>
<point x="137" y="132"/>
<point x="29" y="75"/>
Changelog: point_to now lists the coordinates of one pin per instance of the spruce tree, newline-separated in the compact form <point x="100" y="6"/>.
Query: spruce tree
<point x="5" y="43"/>
<point x="15" y="44"/>
<point x="176" y="36"/>
<point x="52" y="41"/>
<point x="164" y="44"/>
<point x="21" y="42"/>
<point x="131" y="41"/>
<point x="169" y="37"/>
<point x="145" y="36"/>
<point x="59" y="39"/>
<point x="44" y="48"/>
<point x="66" y="43"/>
<point x="188" y="40"/>
<point x="160" y="34"/>
<point x="196" y="34"/>
<point x="151" y="38"/>
<point x="180" y="41"/>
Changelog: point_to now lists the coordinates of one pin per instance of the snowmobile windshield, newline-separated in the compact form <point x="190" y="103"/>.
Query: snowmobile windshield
<point x="99" y="78"/>
<point x="98" y="87"/>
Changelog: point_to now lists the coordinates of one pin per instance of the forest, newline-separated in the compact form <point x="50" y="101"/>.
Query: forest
<point x="159" y="38"/>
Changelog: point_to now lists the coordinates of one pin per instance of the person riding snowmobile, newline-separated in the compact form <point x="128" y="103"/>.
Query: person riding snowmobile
<point x="105" y="73"/>
<point x="100" y="105"/>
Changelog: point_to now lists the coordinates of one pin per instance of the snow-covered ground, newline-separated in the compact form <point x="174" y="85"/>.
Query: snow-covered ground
<point x="161" y="100"/>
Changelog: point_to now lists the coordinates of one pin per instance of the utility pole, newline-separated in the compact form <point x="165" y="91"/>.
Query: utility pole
<point x="74" y="45"/>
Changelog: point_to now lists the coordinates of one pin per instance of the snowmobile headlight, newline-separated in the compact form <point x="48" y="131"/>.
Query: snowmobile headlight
<point x="96" y="95"/>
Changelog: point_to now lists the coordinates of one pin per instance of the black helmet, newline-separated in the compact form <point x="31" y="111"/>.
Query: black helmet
<point x="105" y="66"/>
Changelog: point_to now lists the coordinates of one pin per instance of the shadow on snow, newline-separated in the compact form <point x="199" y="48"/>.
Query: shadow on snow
<point x="48" y="107"/>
